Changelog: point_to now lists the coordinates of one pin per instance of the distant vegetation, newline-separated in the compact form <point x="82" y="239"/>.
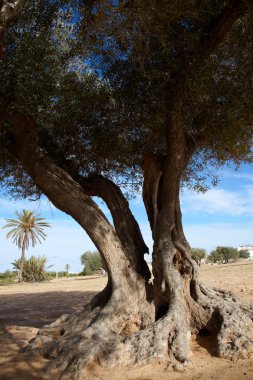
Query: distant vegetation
<point x="224" y="254"/>
<point x="92" y="262"/>
<point x="27" y="229"/>
<point x="7" y="277"/>
<point x="198" y="254"/>
<point x="244" y="254"/>
<point x="34" y="269"/>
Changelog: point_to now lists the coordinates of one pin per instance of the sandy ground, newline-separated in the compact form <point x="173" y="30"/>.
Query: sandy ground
<point x="24" y="308"/>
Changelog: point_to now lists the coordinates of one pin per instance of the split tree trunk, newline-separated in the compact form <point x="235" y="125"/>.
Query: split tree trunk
<point x="132" y="321"/>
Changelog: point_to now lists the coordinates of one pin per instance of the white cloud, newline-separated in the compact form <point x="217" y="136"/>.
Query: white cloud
<point x="219" y="201"/>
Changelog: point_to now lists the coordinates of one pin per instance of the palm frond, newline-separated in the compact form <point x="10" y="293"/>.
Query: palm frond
<point x="27" y="228"/>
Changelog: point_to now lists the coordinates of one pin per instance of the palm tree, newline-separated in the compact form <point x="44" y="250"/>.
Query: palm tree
<point x="27" y="228"/>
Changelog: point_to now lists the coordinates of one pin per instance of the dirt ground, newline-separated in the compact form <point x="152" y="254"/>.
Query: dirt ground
<point x="24" y="308"/>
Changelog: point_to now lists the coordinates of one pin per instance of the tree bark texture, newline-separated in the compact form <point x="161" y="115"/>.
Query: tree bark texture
<point x="133" y="321"/>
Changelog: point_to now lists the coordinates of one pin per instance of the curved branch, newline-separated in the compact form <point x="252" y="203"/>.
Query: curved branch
<point x="221" y="25"/>
<point x="68" y="196"/>
<point x="125" y="224"/>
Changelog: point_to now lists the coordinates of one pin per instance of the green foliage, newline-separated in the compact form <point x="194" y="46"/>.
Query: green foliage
<point x="104" y="75"/>
<point x="53" y="274"/>
<point x="198" y="254"/>
<point x="92" y="262"/>
<point x="27" y="228"/>
<point x="244" y="254"/>
<point x="34" y="269"/>
<point x="8" y="274"/>
<point x="223" y="254"/>
<point x="7" y="277"/>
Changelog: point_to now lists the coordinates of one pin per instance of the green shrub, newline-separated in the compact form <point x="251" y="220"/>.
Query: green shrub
<point x="244" y="254"/>
<point x="34" y="269"/>
<point x="7" y="278"/>
<point x="8" y="274"/>
<point x="92" y="262"/>
<point x="50" y="275"/>
<point x="223" y="254"/>
<point x="198" y="254"/>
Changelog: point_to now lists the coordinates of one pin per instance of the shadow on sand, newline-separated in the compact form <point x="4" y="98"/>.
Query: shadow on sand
<point x="21" y="315"/>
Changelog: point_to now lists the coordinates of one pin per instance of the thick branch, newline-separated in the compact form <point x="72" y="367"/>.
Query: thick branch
<point x="162" y="174"/>
<point x="9" y="12"/>
<point x="125" y="224"/>
<point x="68" y="196"/>
<point x="221" y="25"/>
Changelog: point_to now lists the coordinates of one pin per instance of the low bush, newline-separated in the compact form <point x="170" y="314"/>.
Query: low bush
<point x="7" y="277"/>
<point x="34" y="269"/>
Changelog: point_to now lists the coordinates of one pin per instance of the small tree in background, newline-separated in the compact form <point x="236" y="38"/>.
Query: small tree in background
<point x="214" y="257"/>
<point x="223" y="254"/>
<point x="198" y="254"/>
<point x="34" y="269"/>
<point x="27" y="229"/>
<point x="244" y="254"/>
<point x="67" y="268"/>
<point x="92" y="262"/>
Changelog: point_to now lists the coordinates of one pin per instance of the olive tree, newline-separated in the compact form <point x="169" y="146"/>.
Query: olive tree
<point x="92" y="262"/>
<point x="130" y="95"/>
<point x="198" y="254"/>
<point x="244" y="254"/>
<point x="223" y="254"/>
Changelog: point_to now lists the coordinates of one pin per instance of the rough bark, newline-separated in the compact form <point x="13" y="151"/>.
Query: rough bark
<point x="9" y="12"/>
<point x="123" y="307"/>
<point x="132" y="322"/>
<point x="178" y="296"/>
<point x="125" y="224"/>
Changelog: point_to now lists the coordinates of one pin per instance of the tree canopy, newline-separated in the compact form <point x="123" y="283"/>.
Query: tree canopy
<point x="114" y="73"/>
<point x="223" y="254"/>
<point x="198" y="254"/>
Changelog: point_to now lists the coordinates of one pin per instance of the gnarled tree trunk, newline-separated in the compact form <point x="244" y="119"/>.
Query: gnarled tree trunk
<point x="133" y="321"/>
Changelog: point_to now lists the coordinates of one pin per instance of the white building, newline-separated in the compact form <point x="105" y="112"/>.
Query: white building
<point x="248" y="247"/>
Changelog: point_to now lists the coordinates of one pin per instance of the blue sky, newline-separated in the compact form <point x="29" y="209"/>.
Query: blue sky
<point x="221" y="216"/>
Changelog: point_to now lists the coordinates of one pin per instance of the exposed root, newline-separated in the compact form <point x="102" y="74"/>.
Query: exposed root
<point x="163" y="341"/>
<point x="231" y="322"/>
<point x="111" y="338"/>
<point x="120" y="334"/>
